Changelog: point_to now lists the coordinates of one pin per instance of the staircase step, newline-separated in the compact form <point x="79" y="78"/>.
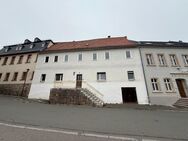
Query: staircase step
<point x="182" y="102"/>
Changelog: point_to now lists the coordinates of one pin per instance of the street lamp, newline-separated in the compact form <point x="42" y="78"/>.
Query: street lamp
<point x="24" y="82"/>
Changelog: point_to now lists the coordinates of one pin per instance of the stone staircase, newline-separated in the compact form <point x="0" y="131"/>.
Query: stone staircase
<point x="182" y="102"/>
<point x="96" y="100"/>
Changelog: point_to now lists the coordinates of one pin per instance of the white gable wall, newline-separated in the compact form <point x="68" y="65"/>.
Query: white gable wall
<point x="116" y="73"/>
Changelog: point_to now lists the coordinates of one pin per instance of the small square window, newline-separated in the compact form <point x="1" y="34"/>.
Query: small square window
<point x="58" y="77"/>
<point x="101" y="76"/>
<point x="130" y="75"/>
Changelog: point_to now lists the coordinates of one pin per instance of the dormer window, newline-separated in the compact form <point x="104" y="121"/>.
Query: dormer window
<point x="31" y="46"/>
<point x="6" y="49"/>
<point x="43" y="44"/>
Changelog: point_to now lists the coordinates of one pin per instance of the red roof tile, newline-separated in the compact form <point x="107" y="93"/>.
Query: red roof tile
<point x="92" y="44"/>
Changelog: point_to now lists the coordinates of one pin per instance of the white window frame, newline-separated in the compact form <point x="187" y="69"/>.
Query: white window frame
<point x="41" y="78"/>
<point x="61" y="77"/>
<point x="66" y="58"/>
<point x="150" y="59"/>
<point x="126" y="53"/>
<point x="168" y="84"/>
<point x="155" y="85"/>
<point x="185" y="59"/>
<point x="80" y="57"/>
<point x="101" y="76"/>
<point x="46" y="60"/>
<point x="130" y="73"/>
<point x="56" y="58"/>
<point x="174" y="60"/>
<point x="162" y="60"/>
<point x="107" y="55"/>
<point x="94" y="56"/>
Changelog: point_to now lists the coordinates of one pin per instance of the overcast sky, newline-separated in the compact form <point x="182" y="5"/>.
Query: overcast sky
<point x="68" y="20"/>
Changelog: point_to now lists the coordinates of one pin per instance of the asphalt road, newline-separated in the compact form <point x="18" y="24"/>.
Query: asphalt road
<point x="154" y="124"/>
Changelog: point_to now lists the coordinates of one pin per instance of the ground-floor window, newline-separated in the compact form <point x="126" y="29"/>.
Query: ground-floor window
<point x="168" y="84"/>
<point x="101" y="76"/>
<point x="43" y="78"/>
<point x="59" y="77"/>
<point x="155" y="84"/>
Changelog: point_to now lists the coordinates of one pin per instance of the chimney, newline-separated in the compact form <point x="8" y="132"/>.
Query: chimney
<point x="109" y="36"/>
<point x="125" y="37"/>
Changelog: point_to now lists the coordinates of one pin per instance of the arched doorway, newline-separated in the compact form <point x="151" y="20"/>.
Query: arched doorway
<point x="181" y="83"/>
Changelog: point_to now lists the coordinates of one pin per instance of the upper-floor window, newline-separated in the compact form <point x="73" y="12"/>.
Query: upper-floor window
<point x="162" y="60"/>
<point x="15" y="76"/>
<point x="59" y="77"/>
<point x="185" y="59"/>
<point x="43" y="44"/>
<point x="43" y="78"/>
<point x="107" y="55"/>
<point x="101" y="76"/>
<point x="155" y="84"/>
<point x="174" y="60"/>
<point x="28" y="58"/>
<point x="32" y="75"/>
<point x="56" y="59"/>
<point x="31" y="46"/>
<point x="66" y="58"/>
<point x="46" y="59"/>
<point x="128" y="54"/>
<point x="150" y="60"/>
<point x="0" y="75"/>
<point x="130" y="75"/>
<point x="24" y="76"/>
<point x="7" y="76"/>
<point x="168" y="84"/>
<point x="94" y="56"/>
<point x="20" y="59"/>
<point x="5" y="61"/>
<point x="80" y="57"/>
<point x="12" y="60"/>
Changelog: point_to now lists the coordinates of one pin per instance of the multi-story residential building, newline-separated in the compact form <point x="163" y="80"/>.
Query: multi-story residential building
<point x="165" y="67"/>
<point x="17" y="66"/>
<point x="110" y="68"/>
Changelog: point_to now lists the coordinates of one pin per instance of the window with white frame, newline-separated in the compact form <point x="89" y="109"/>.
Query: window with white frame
<point x="80" y="57"/>
<point x="59" y="77"/>
<point x="43" y="78"/>
<point x="94" y="56"/>
<point x="107" y="55"/>
<point x="174" y="60"/>
<point x="46" y="59"/>
<point x="155" y="84"/>
<point x="149" y="59"/>
<point x="101" y="76"/>
<point x="130" y="75"/>
<point x="128" y="54"/>
<point x="66" y="58"/>
<point x="56" y="59"/>
<point x="185" y="59"/>
<point x="168" y="84"/>
<point x="162" y="60"/>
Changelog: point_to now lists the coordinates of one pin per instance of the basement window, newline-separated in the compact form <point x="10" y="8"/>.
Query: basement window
<point x="43" y="78"/>
<point x="58" y="77"/>
<point x="101" y="76"/>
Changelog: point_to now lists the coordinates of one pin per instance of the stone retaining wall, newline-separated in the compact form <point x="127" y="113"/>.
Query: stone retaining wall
<point x="15" y="89"/>
<point x="68" y="96"/>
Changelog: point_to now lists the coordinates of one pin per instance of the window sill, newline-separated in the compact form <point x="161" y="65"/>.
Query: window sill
<point x="151" y="65"/>
<point x="101" y="80"/>
<point x="157" y="92"/>
<point x="170" y="91"/>
<point x="163" y="66"/>
<point x="131" y="79"/>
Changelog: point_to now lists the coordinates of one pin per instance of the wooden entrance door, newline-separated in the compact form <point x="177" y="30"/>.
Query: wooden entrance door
<point x="181" y="87"/>
<point x="78" y="80"/>
<point x="129" y="94"/>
